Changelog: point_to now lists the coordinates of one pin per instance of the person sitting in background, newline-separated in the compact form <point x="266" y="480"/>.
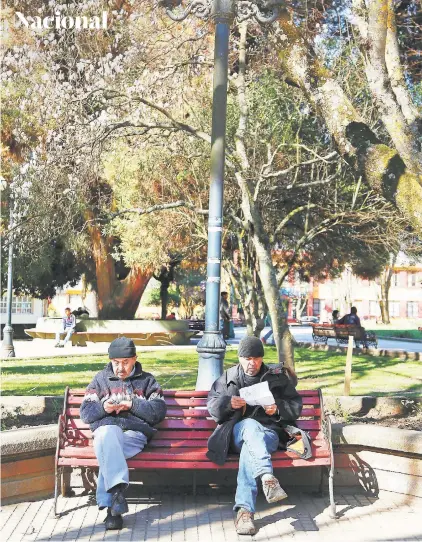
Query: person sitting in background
<point x="171" y="316"/>
<point x="351" y="319"/>
<point x="225" y="315"/>
<point x="68" y="327"/>
<point x="334" y="317"/>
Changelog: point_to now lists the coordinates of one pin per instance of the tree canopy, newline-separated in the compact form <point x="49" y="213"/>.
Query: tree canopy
<point x="323" y="145"/>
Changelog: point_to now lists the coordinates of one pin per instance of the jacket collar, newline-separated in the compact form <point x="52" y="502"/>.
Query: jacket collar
<point x="110" y="373"/>
<point x="233" y="376"/>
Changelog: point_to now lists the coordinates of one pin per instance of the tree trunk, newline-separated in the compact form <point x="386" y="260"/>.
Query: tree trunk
<point x="385" y="280"/>
<point x="374" y="49"/>
<point x="247" y="286"/>
<point x="164" y="294"/>
<point x="380" y="166"/>
<point x="396" y="73"/>
<point x="255" y="227"/>
<point x="117" y="299"/>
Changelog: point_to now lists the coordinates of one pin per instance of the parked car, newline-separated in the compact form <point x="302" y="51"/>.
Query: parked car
<point x="308" y="320"/>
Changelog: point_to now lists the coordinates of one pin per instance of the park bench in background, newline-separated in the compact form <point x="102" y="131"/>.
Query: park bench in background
<point x="181" y="440"/>
<point x="197" y="325"/>
<point x="142" y="332"/>
<point x="322" y="332"/>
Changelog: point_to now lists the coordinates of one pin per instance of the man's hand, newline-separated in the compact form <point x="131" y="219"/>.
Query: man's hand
<point x="110" y="406"/>
<point x="123" y="405"/>
<point x="270" y="410"/>
<point x="237" y="403"/>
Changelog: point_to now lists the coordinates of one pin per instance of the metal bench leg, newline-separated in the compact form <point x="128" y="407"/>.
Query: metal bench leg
<point x="333" y="513"/>
<point x="56" y="491"/>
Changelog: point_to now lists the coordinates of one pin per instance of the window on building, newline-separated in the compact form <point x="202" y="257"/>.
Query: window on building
<point x="20" y="305"/>
<point x="412" y="309"/>
<point x="374" y="308"/>
<point x="317" y="307"/>
<point x="394" y="309"/>
<point x="411" y="279"/>
<point x="395" y="279"/>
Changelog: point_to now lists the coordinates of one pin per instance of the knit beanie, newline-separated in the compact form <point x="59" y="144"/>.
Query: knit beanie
<point x="250" y="347"/>
<point x="122" y="347"/>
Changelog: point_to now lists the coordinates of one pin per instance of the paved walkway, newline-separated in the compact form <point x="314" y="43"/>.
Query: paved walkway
<point x="209" y="517"/>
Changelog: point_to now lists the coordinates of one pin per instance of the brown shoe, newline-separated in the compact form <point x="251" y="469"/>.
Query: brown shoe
<point x="244" y="522"/>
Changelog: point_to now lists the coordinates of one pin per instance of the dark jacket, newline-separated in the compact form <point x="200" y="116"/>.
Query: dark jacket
<point x="287" y="399"/>
<point x="349" y="320"/>
<point x="148" y="405"/>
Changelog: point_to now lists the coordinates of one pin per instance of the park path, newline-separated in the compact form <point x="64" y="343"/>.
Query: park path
<point x="169" y="517"/>
<point x="45" y="348"/>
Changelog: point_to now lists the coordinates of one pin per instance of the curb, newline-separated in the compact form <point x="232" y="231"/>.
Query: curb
<point x="400" y="339"/>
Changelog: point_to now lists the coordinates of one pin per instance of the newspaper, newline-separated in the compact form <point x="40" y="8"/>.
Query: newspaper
<point x="257" y="395"/>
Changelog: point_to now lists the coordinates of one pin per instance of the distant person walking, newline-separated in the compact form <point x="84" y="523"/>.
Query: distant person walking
<point x="68" y="327"/>
<point x="351" y="319"/>
<point x="224" y="315"/>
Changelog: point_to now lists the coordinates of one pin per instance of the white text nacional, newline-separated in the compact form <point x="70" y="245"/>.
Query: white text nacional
<point x="58" y="21"/>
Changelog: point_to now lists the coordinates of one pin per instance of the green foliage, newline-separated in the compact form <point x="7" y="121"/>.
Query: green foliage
<point x="153" y="298"/>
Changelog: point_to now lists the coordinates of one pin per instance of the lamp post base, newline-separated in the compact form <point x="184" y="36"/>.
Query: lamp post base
<point x="7" y="348"/>
<point x="211" y="349"/>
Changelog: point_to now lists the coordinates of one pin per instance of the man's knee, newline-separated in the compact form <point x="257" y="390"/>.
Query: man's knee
<point x="105" y="431"/>
<point x="251" y="429"/>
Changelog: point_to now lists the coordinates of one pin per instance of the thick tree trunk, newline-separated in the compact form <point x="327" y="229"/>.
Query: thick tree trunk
<point x="374" y="48"/>
<point x="385" y="314"/>
<point x="117" y="299"/>
<point x="381" y="167"/>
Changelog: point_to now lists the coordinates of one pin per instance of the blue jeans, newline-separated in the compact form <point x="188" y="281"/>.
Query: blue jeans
<point x="69" y="332"/>
<point x="255" y="443"/>
<point x="112" y="447"/>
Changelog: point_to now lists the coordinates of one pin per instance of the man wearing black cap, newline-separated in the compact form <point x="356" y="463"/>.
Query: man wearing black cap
<point x="254" y="432"/>
<point x="122" y="404"/>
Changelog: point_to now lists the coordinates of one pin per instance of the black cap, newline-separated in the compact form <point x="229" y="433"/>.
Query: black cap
<point x="122" y="347"/>
<point x="250" y="347"/>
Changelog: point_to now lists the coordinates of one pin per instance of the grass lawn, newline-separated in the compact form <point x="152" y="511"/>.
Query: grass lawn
<point x="401" y="328"/>
<point x="177" y="370"/>
<point x="399" y="333"/>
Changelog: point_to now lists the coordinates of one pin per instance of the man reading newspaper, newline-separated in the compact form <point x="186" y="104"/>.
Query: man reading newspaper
<point x="253" y="431"/>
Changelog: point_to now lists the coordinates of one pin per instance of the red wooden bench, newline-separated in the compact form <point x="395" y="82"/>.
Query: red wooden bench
<point x="181" y="440"/>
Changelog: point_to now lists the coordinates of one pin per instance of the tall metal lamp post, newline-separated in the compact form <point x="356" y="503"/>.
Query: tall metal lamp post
<point x="212" y="347"/>
<point x="7" y="348"/>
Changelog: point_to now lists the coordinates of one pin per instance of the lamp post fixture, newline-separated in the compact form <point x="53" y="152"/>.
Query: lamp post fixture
<point x="212" y="347"/>
<point x="7" y="348"/>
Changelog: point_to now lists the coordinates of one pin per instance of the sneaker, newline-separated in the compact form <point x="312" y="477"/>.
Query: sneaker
<point x="272" y="489"/>
<point x="118" y="502"/>
<point x="113" y="523"/>
<point x="57" y="345"/>
<point x="244" y="522"/>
